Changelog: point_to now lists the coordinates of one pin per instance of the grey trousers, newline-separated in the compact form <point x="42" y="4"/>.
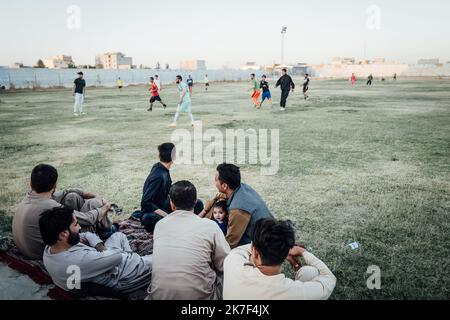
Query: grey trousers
<point x="85" y="210"/>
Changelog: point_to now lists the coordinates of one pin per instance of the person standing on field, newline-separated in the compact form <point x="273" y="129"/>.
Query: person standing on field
<point x="79" y="92"/>
<point x="190" y="83"/>
<point x="206" y="83"/>
<point x="256" y="92"/>
<point x="119" y="85"/>
<point x="286" y="84"/>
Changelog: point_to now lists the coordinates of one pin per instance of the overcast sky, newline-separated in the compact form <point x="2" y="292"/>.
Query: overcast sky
<point x="225" y="32"/>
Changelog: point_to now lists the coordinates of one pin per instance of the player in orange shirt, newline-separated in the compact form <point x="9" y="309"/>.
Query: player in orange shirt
<point x="155" y="94"/>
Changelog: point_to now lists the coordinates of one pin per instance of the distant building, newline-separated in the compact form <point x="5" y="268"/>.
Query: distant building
<point x="59" y="62"/>
<point x="339" y="60"/>
<point x="16" y="65"/>
<point x="379" y="60"/>
<point x="428" y="62"/>
<point x="300" y="69"/>
<point x="250" y="66"/>
<point x="193" y="65"/>
<point x="114" y="60"/>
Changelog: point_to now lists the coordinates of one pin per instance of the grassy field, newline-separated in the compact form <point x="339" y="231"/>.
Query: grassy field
<point x="370" y="165"/>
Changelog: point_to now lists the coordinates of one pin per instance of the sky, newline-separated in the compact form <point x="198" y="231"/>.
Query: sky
<point x="225" y="32"/>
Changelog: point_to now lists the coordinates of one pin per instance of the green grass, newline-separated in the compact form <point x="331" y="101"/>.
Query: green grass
<point x="356" y="164"/>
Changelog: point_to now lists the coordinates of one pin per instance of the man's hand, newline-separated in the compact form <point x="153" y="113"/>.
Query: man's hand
<point x="294" y="253"/>
<point x="104" y="210"/>
<point x="89" y="195"/>
<point x="161" y="213"/>
<point x="100" y="247"/>
<point x="202" y="214"/>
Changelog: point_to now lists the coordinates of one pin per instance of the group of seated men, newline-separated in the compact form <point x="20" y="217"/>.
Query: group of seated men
<point x="193" y="258"/>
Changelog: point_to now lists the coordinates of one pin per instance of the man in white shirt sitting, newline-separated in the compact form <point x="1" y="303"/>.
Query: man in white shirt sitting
<point x="111" y="264"/>
<point x="253" y="272"/>
<point x="188" y="251"/>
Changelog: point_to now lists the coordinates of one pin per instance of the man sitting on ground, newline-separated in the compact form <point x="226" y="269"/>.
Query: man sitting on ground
<point x="245" y="205"/>
<point x="91" y="212"/>
<point x="155" y="203"/>
<point x="111" y="264"/>
<point x="188" y="252"/>
<point x="253" y="272"/>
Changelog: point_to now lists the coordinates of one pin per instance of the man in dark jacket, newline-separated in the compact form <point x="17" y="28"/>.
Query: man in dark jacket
<point x="286" y="84"/>
<point x="155" y="202"/>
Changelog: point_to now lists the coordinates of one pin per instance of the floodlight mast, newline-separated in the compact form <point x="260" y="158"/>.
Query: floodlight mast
<point x="283" y="33"/>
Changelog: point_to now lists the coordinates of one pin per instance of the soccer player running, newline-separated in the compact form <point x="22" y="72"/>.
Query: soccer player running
<point x="206" y="82"/>
<point x="264" y="85"/>
<point x="79" y="92"/>
<point x="119" y="85"/>
<point x="306" y="86"/>
<point x="353" y="79"/>
<point x="184" y="105"/>
<point x="190" y="83"/>
<point x="369" y="80"/>
<point x="256" y="91"/>
<point x="158" y="82"/>
<point x="286" y="84"/>
<point x="155" y="94"/>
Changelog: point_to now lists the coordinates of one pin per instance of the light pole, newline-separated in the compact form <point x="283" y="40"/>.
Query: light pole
<point x="283" y="32"/>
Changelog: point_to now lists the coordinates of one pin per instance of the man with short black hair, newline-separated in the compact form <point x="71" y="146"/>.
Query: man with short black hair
<point x="286" y="84"/>
<point x="188" y="251"/>
<point x="155" y="203"/>
<point x="245" y="205"/>
<point x="154" y="89"/>
<point x="91" y="212"/>
<point x="79" y="92"/>
<point x="111" y="264"/>
<point x="264" y="85"/>
<point x="256" y="92"/>
<point x="254" y="271"/>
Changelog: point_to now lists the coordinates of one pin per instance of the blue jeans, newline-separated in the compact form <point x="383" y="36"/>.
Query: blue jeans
<point x="150" y="219"/>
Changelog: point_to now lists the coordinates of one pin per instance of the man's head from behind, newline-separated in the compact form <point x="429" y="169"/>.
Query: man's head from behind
<point x="228" y="178"/>
<point x="43" y="178"/>
<point x="271" y="242"/>
<point x="284" y="71"/>
<point x="59" y="225"/>
<point x="166" y="152"/>
<point x="183" y="196"/>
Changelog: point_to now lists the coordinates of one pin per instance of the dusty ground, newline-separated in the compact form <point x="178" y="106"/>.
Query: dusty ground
<point x="356" y="164"/>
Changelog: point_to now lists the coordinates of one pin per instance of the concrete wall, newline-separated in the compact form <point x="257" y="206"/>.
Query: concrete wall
<point x="380" y="70"/>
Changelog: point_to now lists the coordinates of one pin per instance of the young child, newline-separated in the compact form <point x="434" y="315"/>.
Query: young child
<point x="220" y="215"/>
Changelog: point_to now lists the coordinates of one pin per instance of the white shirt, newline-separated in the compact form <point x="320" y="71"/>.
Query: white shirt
<point x="243" y="281"/>
<point x="188" y="255"/>
<point x="158" y="84"/>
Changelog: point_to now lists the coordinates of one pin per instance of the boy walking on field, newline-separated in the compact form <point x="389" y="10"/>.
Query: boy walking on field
<point x="264" y="85"/>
